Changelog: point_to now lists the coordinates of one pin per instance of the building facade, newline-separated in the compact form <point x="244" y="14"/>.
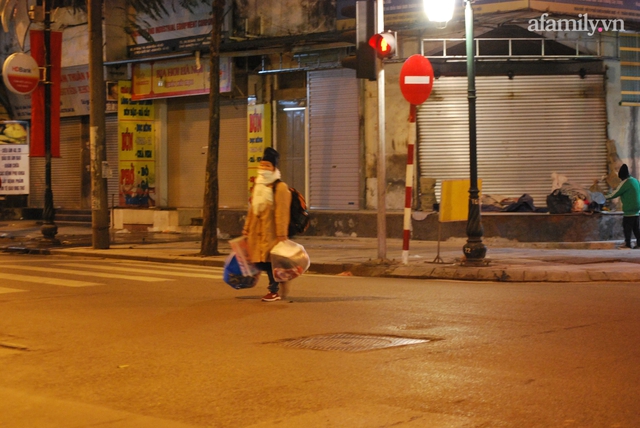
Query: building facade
<point x="550" y="99"/>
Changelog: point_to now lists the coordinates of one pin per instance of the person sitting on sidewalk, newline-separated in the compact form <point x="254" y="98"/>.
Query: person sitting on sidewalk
<point x="267" y="220"/>
<point x="629" y="192"/>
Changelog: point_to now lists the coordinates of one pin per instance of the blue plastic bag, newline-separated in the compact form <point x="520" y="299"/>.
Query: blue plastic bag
<point x="234" y="277"/>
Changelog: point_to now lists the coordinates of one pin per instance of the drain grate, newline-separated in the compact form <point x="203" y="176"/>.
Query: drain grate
<point x="349" y="342"/>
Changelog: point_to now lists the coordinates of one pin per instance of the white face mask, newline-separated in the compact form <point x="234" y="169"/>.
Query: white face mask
<point x="265" y="174"/>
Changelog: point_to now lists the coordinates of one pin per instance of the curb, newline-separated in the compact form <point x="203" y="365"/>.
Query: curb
<point x="27" y="250"/>
<point x="510" y="274"/>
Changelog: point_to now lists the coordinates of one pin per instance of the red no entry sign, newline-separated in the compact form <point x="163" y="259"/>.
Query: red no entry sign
<point x="416" y="79"/>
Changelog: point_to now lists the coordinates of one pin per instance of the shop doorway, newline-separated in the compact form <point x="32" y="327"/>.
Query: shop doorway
<point x="290" y="142"/>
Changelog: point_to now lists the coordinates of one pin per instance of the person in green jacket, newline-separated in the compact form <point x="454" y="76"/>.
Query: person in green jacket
<point x="629" y="192"/>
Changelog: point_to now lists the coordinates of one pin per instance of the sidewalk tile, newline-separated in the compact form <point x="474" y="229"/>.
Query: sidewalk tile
<point x="558" y="276"/>
<point x="623" y="276"/>
<point x="466" y="273"/>
<point x="515" y="274"/>
<point x="443" y="273"/>
<point x="492" y="274"/>
<point x="597" y="275"/>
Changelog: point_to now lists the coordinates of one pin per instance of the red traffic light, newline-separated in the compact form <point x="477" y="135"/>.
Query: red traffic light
<point x="384" y="44"/>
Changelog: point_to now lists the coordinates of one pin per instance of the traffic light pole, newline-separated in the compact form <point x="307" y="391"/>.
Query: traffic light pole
<point x="381" y="172"/>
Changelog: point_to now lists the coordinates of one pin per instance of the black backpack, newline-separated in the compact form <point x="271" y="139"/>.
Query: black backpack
<point x="298" y="214"/>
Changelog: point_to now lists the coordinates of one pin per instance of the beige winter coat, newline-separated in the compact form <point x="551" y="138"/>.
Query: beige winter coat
<point x="263" y="229"/>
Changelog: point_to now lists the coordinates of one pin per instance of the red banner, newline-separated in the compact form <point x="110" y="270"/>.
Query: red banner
<point x="37" y="97"/>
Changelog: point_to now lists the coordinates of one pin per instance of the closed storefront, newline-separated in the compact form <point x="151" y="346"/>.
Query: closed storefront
<point x="528" y="127"/>
<point x="187" y="141"/>
<point x="334" y="140"/>
<point x="66" y="171"/>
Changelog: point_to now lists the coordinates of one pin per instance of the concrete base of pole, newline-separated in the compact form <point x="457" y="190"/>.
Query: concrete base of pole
<point x="475" y="252"/>
<point x="49" y="232"/>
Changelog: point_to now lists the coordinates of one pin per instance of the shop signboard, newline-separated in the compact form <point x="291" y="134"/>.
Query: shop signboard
<point x="258" y="136"/>
<point x="75" y="95"/>
<point x="14" y="157"/>
<point x="177" y="77"/>
<point x="20" y="73"/>
<point x="136" y="150"/>
<point x="182" y="30"/>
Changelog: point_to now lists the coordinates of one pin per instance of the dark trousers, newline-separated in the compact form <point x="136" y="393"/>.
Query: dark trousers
<point x="273" y="285"/>
<point x="630" y="224"/>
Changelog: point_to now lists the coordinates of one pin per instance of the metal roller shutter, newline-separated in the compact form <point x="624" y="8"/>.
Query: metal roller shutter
<point x="233" y="171"/>
<point x="334" y="140"/>
<point x="66" y="171"/>
<point x="188" y="133"/>
<point x="111" y="138"/>
<point x="528" y="128"/>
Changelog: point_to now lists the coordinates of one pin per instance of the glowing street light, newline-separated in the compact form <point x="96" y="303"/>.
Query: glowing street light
<point x="441" y="11"/>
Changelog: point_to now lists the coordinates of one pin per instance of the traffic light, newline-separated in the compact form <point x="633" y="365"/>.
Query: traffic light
<point x="364" y="60"/>
<point x="384" y="44"/>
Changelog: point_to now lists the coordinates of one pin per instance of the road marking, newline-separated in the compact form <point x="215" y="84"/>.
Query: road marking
<point x="128" y="269"/>
<point x="9" y="290"/>
<point x="45" y="280"/>
<point x="174" y="266"/>
<point x="97" y="274"/>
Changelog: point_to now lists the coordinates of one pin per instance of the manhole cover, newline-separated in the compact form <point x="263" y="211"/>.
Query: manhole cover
<point x="349" y="342"/>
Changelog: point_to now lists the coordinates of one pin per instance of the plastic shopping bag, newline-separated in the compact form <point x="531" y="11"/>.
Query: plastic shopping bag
<point x="234" y="276"/>
<point x="240" y="247"/>
<point x="289" y="260"/>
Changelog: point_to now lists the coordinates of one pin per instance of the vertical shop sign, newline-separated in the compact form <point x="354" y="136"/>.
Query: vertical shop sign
<point x="259" y="136"/>
<point x="14" y="157"/>
<point x="136" y="149"/>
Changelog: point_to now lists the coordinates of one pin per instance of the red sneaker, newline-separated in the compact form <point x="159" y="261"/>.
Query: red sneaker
<point x="271" y="297"/>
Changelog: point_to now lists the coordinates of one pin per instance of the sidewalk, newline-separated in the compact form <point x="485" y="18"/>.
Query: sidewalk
<point x="507" y="261"/>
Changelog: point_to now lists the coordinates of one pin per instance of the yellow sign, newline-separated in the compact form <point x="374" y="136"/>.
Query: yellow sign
<point x="136" y="154"/>
<point x="259" y="137"/>
<point x="169" y="78"/>
<point x="454" y="200"/>
<point x="177" y="77"/>
<point x="130" y="110"/>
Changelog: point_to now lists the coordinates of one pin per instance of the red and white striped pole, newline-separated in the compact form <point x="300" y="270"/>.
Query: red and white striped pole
<point x="408" y="194"/>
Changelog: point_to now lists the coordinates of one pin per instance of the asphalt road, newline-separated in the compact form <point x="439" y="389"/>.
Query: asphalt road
<point x="92" y="342"/>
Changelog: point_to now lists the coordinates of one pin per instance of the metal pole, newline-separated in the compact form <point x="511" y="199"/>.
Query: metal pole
<point x="49" y="228"/>
<point x="99" y="201"/>
<point x="474" y="249"/>
<point x="381" y="170"/>
<point x="406" y="233"/>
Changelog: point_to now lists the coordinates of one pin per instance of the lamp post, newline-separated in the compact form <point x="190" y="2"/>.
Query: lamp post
<point x="442" y="11"/>
<point x="49" y="229"/>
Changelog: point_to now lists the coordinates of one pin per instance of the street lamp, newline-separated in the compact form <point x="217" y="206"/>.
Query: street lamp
<point x="442" y="11"/>
<point x="439" y="10"/>
<point x="49" y="229"/>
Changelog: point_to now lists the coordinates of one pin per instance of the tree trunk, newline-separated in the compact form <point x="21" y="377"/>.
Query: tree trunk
<point x="209" y="245"/>
<point x="99" y="204"/>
